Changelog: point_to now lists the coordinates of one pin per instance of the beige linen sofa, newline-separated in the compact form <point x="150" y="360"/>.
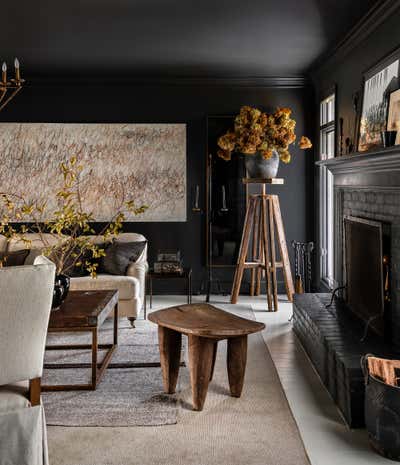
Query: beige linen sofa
<point x="131" y="286"/>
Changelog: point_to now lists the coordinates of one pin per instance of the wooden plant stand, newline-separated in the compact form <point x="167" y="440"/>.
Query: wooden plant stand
<point x="263" y="219"/>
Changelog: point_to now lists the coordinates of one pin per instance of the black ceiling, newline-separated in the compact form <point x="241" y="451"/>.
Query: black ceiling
<point x="232" y="38"/>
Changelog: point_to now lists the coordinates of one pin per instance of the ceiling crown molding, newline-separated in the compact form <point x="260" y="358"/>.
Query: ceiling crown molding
<point x="363" y="29"/>
<point x="286" y="82"/>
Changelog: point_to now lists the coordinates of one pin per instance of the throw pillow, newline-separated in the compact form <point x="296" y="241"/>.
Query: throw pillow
<point x="15" y="258"/>
<point x="119" y="255"/>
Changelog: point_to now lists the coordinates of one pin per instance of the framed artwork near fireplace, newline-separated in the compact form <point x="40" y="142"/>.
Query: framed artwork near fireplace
<point x="393" y="123"/>
<point x="379" y="82"/>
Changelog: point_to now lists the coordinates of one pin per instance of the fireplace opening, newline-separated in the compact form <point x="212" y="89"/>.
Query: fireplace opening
<point x="366" y="259"/>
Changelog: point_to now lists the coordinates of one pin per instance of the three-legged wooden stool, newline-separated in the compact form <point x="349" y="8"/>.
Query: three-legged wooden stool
<point x="204" y="325"/>
<point x="263" y="219"/>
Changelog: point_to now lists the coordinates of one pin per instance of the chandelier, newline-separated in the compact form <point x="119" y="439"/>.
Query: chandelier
<point x="10" y="88"/>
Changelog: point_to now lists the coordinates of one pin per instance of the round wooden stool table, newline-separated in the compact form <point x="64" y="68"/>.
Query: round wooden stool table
<point x="204" y="325"/>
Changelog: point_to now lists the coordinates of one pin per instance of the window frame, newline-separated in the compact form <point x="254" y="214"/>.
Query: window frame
<point x="327" y="149"/>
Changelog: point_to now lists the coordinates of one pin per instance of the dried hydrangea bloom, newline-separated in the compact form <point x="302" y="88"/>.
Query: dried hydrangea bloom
<point x="224" y="154"/>
<point x="284" y="111"/>
<point x="255" y="131"/>
<point x="249" y="149"/>
<point x="285" y="156"/>
<point x="227" y="141"/>
<point x="305" y="143"/>
<point x="267" y="154"/>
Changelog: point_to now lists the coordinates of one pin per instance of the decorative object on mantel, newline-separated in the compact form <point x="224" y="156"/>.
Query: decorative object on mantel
<point x="263" y="139"/>
<point x="379" y="83"/>
<point x="9" y="88"/>
<point x="388" y="138"/>
<point x="263" y="215"/>
<point x="341" y="136"/>
<point x="382" y="405"/>
<point x="144" y="161"/>
<point x="393" y="123"/>
<point x="73" y="250"/>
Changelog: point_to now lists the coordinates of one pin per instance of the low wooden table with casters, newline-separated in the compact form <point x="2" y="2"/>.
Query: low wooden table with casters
<point x="204" y="325"/>
<point x="84" y="311"/>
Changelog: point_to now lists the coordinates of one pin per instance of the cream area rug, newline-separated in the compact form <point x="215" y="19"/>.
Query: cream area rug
<point x="257" y="429"/>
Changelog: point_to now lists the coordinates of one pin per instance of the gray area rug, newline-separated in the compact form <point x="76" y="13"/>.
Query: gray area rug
<point x="136" y="346"/>
<point x="130" y="392"/>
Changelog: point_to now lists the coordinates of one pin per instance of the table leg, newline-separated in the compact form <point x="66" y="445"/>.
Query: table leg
<point x="213" y="360"/>
<point x="94" y="358"/>
<point x="201" y="350"/>
<point x="116" y="324"/>
<point x="145" y="296"/>
<point x="237" y="357"/>
<point x="151" y="292"/>
<point x="170" y="343"/>
<point x="191" y="287"/>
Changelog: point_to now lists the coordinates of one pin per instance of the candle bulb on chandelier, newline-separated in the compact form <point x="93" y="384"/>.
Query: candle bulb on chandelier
<point x="4" y="73"/>
<point x="17" y="72"/>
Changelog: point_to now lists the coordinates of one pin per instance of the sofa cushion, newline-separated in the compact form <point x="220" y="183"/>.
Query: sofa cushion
<point x="36" y="241"/>
<point x="119" y="255"/>
<point x="128" y="286"/>
<point x="3" y="243"/>
<point x="16" y="258"/>
<point x="14" y="397"/>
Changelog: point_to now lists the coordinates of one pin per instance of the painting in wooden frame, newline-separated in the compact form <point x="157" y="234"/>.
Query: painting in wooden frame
<point x="146" y="161"/>
<point x="393" y="123"/>
<point x="379" y="82"/>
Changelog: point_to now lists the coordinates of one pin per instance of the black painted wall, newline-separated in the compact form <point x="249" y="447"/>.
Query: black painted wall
<point x="345" y="71"/>
<point x="189" y="103"/>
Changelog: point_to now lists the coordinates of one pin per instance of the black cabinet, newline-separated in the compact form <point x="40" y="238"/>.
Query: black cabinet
<point x="226" y="207"/>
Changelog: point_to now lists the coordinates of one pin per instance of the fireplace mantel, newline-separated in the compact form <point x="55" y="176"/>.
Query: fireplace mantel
<point x="379" y="169"/>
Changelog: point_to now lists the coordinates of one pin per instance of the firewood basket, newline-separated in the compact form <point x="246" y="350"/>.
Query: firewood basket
<point x="382" y="414"/>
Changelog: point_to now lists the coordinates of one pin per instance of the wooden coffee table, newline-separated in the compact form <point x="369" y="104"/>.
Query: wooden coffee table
<point x="204" y="325"/>
<point x="84" y="311"/>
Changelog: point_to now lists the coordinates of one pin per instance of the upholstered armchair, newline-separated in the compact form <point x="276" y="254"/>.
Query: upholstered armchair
<point x="25" y="303"/>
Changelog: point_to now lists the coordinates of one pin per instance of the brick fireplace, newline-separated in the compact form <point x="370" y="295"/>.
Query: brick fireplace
<point x="370" y="188"/>
<point x="366" y="186"/>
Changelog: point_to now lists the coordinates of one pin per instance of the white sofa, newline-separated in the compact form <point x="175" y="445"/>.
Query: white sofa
<point x="131" y="286"/>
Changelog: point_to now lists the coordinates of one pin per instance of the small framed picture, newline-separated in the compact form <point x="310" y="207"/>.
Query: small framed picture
<point x="379" y="83"/>
<point x="393" y="123"/>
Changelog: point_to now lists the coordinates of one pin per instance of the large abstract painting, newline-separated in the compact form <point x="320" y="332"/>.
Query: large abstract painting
<point x="144" y="162"/>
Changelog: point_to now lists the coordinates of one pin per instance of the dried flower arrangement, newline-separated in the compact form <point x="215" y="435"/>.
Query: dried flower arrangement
<point x="256" y="131"/>
<point x="70" y="224"/>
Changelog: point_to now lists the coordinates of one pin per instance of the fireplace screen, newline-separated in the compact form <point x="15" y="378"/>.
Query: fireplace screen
<point x="364" y="270"/>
